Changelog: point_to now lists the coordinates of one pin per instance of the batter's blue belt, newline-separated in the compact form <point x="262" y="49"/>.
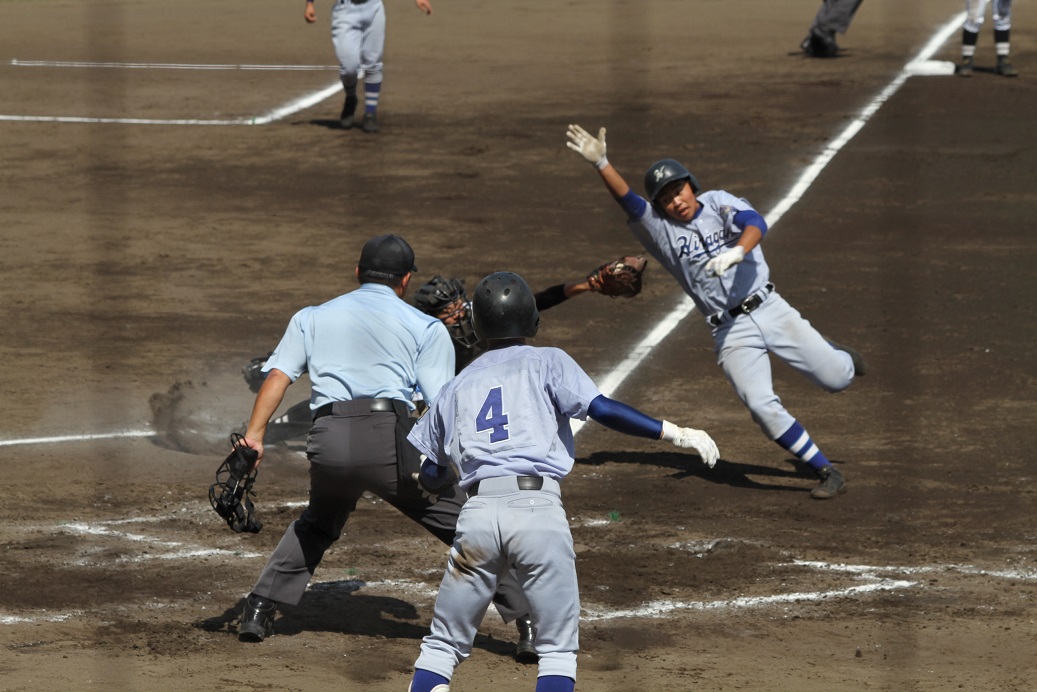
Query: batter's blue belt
<point x="352" y="408"/>
<point x="744" y="308"/>
<point x="521" y="482"/>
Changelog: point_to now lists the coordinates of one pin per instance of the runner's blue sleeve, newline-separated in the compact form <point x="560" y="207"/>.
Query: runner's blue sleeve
<point x="750" y="217"/>
<point x="633" y="204"/>
<point x="622" y="418"/>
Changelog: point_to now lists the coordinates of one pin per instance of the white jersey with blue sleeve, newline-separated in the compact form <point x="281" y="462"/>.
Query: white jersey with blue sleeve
<point x="507" y="414"/>
<point x="366" y="344"/>
<point x="685" y="248"/>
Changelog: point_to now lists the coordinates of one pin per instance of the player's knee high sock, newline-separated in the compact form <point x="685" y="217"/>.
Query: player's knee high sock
<point x="425" y="680"/>
<point x="555" y="683"/>
<point x="968" y="43"/>
<point x="797" y="440"/>
<point x="349" y="83"/>
<point x="371" y="93"/>
<point x="1001" y="41"/>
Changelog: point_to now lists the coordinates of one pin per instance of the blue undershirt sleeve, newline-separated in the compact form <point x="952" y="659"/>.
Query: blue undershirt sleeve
<point x="750" y="217"/>
<point x="633" y="204"/>
<point x="623" y="418"/>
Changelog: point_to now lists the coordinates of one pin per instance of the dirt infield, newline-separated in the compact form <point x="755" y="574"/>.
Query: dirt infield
<point x="145" y="262"/>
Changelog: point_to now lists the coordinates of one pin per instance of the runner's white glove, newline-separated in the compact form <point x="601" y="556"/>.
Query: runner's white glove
<point x="722" y="262"/>
<point x="698" y="440"/>
<point x="583" y="143"/>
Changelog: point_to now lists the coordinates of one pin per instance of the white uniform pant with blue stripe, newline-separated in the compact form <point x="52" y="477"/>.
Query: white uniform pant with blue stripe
<point x="743" y="344"/>
<point x="499" y="529"/>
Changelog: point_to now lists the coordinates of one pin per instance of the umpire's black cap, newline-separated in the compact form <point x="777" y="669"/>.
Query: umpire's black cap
<point x="389" y="254"/>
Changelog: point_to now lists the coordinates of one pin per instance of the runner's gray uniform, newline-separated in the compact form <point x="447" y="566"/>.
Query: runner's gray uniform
<point x="742" y="341"/>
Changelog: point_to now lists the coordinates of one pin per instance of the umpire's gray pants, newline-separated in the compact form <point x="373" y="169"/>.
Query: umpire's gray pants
<point x="350" y="454"/>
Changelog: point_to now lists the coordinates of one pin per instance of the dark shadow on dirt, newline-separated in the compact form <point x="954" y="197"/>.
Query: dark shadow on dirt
<point x="336" y="607"/>
<point x="735" y="474"/>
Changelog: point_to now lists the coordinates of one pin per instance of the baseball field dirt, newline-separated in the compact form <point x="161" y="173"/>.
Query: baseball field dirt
<point x="171" y="192"/>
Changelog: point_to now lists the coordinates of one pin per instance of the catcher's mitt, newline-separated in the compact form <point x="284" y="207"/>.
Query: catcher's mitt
<point x="619" y="278"/>
<point x="229" y="495"/>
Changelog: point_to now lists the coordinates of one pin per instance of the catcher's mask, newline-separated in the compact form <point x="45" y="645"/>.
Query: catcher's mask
<point x="231" y="494"/>
<point x="662" y="173"/>
<point x="445" y="299"/>
<point x="504" y="308"/>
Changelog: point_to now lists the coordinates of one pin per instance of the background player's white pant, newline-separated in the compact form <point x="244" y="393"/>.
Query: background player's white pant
<point x="742" y="347"/>
<point x="975" y="9"/>
<point x="501" y="528"/>
<point x="358" y="34"/>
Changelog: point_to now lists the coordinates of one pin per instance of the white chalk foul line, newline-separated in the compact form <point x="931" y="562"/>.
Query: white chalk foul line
<point x="619" y="374"/>
<point x="657" y="609"/>
<point x="78" y="438"/>
<point x="278" y="113"/>
<point x="173" y="550"/>
<point x="274" y="115"/>
<point x="166" y="65"/>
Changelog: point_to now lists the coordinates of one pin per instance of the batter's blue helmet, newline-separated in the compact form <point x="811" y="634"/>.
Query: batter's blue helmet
<point x="503" y="307"/>
<point x="662" y="173"/>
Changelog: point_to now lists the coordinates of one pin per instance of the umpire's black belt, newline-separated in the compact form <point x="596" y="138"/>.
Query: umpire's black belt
<point x="347" y="408"/>
<point x="523" y="483"/>
<point x="744" y="308"/>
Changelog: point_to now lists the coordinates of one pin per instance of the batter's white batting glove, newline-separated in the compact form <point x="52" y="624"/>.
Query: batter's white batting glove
<point x="722" y="262"/>
<point x="690" y="438"/>
<point x="587" y="146"/>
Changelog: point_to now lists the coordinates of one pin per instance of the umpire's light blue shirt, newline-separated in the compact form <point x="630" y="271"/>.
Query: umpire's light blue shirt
<point x="367" y="344"/>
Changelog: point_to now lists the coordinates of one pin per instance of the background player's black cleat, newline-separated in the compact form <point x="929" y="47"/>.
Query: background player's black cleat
<point x="820" y="44"/>
<point x="370" y="123"/>
<point x="525" y="651"/>
<point x="257" y="619"/>
<point x="965" y="67"/>
<point x="1004" y="67"/>
<point x="832" y="484"/>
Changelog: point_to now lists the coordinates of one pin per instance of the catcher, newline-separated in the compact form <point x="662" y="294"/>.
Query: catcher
<point x="446" y="300"/>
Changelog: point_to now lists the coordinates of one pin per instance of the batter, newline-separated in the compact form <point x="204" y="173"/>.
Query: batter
<point x="700" y="237"/>
<point x="502" y="426"/>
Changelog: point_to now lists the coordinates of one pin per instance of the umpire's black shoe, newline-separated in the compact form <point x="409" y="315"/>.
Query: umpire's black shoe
<point x="348" y="112"/>
<point x="370" y="123"/>
<point x="832" y="484"/>
<point x="525" y="651"/>
<point x="257" y="619"/>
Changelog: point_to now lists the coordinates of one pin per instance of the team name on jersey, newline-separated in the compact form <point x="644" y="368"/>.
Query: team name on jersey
<point x="709" y="234"/>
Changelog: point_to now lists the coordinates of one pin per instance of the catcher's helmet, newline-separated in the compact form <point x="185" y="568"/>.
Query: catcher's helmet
<point x="445" y="299"/>
<point x="662" y="173"/>
<point x="504" y="308"/>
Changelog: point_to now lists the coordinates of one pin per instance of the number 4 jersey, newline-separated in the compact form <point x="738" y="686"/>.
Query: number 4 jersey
<point x="507" y="414"/>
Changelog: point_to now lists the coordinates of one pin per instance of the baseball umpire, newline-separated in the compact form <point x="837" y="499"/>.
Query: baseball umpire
<point x="710" y="242"/>
<point x="502" y="425"/>
<point x="364" y="351"/>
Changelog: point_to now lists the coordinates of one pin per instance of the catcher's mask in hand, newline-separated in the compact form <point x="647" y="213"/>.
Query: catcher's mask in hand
<point x="230" y="494"/>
